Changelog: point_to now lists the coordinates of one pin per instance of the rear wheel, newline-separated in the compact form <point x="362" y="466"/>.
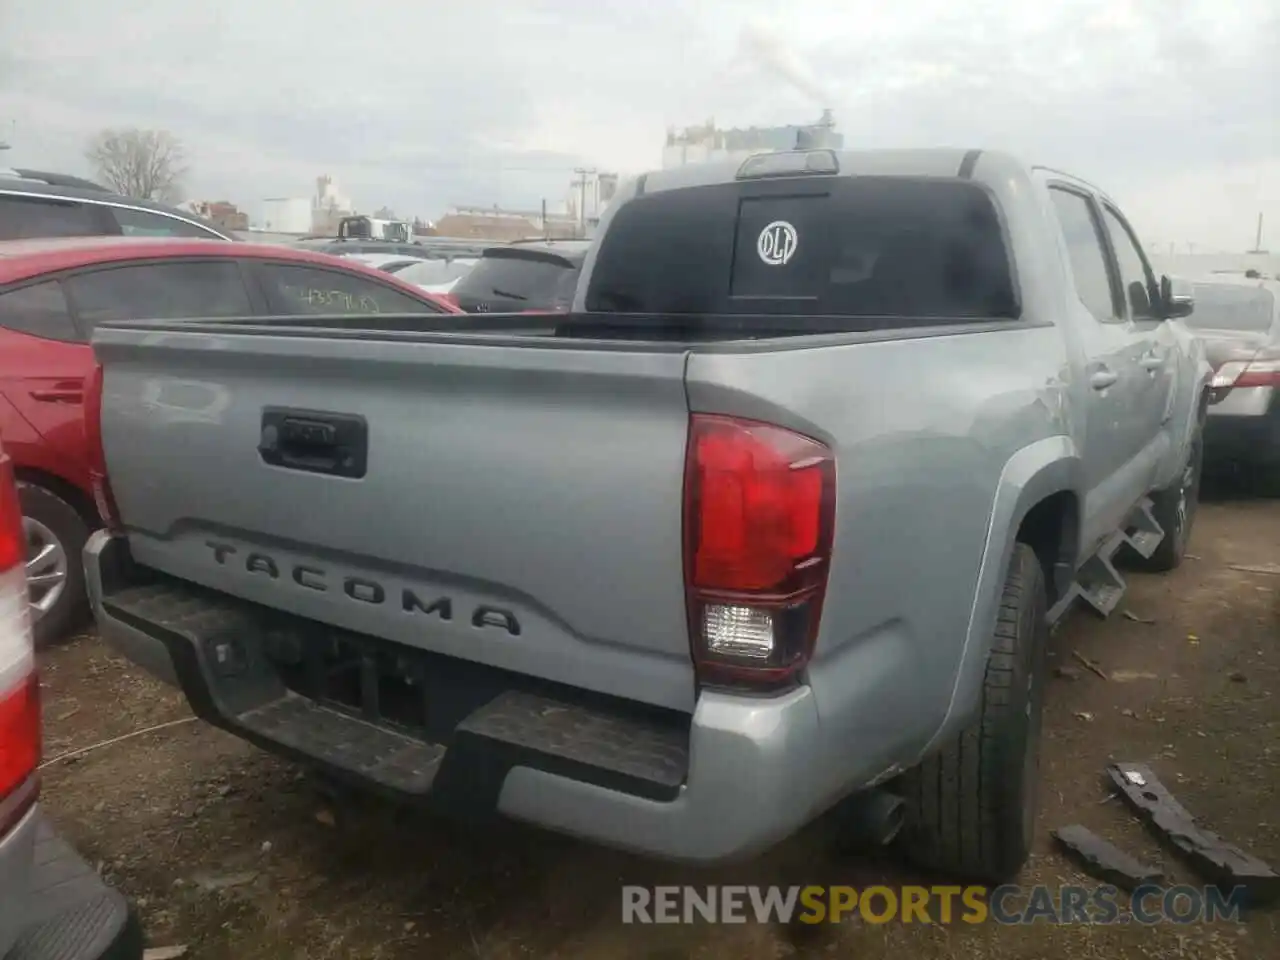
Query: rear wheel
<point x="971" y="807"/>
<point x="56" y="536"/>
<point x="1174" y="508"/>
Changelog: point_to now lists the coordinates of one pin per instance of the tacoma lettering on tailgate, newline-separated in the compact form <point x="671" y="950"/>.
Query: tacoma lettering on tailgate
<point x="360" y="589"/>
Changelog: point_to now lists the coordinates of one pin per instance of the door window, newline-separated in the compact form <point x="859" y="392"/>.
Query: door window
<point x="40" y="310"/>
<point x="24" y="218"/>
<point x="141" y="223"/>
<point x="1140" y="291"/>
<point x="302" y="291"/>
<point x="160" y="291"/>
<point x="1086" y="252"/>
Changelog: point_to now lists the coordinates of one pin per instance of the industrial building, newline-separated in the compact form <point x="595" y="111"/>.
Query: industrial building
<point x="707" y="143"/>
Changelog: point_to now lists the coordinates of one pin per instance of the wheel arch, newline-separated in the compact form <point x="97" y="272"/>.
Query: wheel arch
<point x="1038" y="502"/>
<point x="64" y="489"/>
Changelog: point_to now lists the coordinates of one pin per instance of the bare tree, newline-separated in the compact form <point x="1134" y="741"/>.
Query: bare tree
<point x="145" y="164"/>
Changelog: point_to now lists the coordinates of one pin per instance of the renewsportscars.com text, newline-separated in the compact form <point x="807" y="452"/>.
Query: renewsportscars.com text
<point x="1011" y="905"/>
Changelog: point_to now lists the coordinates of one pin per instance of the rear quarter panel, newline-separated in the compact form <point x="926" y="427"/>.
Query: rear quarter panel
<point x="942" y="444"/>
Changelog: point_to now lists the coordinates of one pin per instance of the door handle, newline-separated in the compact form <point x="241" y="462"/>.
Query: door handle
<point x="1152" y="362"/>
<point x="58" y="395"/>
<point x="1103" y="378"/>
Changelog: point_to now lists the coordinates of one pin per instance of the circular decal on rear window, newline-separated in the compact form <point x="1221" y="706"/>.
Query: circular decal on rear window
<point x="777" y="243"/>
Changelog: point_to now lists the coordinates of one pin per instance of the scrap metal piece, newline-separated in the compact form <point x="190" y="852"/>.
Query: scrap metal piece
<point x="1217" y="861"/>
<point x="1103" y="860"/>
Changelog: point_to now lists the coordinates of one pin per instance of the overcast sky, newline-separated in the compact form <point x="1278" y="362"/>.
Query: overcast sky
<point x="1171" y="105"/>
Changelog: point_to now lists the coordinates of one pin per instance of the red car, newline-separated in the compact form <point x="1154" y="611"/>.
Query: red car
<point x="53" y="293"/>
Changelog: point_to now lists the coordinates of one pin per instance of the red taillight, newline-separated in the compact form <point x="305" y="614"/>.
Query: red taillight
<point x="759" y="513"/>
<point x="1262" y="371"/>
<point x="19" y="688"/>
<point x="102" y="496"/>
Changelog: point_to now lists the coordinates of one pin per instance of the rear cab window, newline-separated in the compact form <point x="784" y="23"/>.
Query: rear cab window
<point x="512" y="280"/>
<point x="892" y="251"/>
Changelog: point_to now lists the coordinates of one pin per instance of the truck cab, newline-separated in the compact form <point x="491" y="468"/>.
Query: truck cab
<point x="370" y="228"/>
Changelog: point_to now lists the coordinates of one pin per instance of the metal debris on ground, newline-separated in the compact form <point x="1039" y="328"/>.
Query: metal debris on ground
<point x="165" y="953"/>
<point x="215" y="883"/>
<point x="1130" y="615"/>
<point x="1090" y="664"/>
<point x="1129" y="676"/>
<point x="1271" y="569"/>
<point x="1103" y="860"/>
<point x="1217" y="861"/>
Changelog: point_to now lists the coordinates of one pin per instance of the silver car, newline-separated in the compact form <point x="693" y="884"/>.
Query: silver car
<point x="1238" y="318"/>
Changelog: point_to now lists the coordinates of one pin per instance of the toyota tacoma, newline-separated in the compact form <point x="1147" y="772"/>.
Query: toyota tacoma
<point x="778" y="515"/>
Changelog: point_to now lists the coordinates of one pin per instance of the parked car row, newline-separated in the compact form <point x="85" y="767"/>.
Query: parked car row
<point x="519" y="277"/>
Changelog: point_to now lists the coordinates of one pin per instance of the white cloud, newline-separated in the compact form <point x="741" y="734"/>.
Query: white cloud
<point x="1169" y="105"/>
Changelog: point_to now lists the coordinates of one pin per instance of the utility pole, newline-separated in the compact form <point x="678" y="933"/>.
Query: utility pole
<point x="581" y="183"/>
<point x="1257" y="240"/>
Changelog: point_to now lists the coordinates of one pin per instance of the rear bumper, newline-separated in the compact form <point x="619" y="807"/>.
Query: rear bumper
<point x="1241" y="437"/>
<point x="739" y="775"/>
<point x="67" y="912"/>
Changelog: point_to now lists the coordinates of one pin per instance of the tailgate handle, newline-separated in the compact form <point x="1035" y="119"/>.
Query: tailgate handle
<point x="336" y="444"/>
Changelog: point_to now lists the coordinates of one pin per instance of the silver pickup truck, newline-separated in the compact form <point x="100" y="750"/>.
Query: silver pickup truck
<point x="778" y="515"/>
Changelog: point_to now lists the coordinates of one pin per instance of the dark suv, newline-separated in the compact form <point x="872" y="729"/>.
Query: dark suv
<point x="36" y="204"/>
<point x="523" y="276"/>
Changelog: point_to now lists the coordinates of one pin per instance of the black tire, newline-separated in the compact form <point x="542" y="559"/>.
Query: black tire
<point x="46" y="516"/>
<point x="971" y="808"/>
<point x="1175" y="510"/>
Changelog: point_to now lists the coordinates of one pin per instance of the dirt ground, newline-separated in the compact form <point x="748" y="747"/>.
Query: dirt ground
<point x="236" y="855"/>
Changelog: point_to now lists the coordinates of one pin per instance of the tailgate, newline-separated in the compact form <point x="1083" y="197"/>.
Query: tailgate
<point x="516" y="506"/>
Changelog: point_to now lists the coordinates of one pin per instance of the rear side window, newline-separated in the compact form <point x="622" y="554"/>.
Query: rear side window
<point x="507" y="282"/>
<point x="300" y="291"/>
<point x="895" y="248"/>
<point x="160" y="291"/>
<point x="23" y="218"/>
<point x="141" y="223"/>
<point x="1086" y="252"/>
<point x="1223" y="306"/>
<point x="40" y="310"/>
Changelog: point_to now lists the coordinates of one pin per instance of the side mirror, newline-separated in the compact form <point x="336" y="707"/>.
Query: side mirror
<point x="1176" y="305"/>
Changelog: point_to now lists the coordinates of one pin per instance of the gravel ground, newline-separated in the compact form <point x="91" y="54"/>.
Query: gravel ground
<point x="236" y="855"/>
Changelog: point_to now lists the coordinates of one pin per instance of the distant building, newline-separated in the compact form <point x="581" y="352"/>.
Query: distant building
<point x="286" y="215"/>
<point x="221" y="214"/>
<point x="588" y="196"/>
<point x="707" y="143"/>
<point x="494" y="223"/>
<point x="328" y="207"/>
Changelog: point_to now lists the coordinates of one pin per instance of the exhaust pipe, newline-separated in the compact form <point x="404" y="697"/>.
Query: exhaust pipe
<point x="874" y="817"/>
